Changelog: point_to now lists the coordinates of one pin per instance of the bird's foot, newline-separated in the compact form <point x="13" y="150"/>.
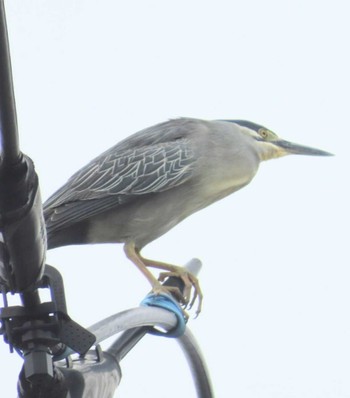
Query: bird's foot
<point x="175" y="292"/>
<point x="190" y="282"/>
<point x="183" y="296"/>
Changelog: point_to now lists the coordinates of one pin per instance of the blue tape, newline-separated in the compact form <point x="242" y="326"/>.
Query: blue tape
<point x="168" y="303"/>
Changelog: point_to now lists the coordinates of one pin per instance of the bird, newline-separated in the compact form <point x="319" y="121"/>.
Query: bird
<point x="145" y="185"/>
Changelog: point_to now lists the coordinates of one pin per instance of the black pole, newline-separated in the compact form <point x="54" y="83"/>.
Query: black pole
<point x="8" y="120"/>
<point x="22" y="240"/>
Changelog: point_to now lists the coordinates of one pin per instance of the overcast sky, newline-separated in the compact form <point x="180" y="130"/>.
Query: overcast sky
<point x="275" y="320"/>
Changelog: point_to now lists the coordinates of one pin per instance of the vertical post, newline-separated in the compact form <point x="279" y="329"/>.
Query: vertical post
<point x="22" y="228"/>
<point x="10" y="153"/>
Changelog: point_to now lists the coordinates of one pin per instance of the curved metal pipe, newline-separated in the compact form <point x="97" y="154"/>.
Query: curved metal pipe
<point x="136" y="323"/>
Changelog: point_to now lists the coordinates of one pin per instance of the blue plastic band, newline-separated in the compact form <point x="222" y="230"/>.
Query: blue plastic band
<point x="170" y="304"/>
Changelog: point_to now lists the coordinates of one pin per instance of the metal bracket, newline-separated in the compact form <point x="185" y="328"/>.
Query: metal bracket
<point x="43" y="329"/>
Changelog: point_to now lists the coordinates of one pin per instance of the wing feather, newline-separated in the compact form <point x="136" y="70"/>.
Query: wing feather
<point x="119" y="176"/>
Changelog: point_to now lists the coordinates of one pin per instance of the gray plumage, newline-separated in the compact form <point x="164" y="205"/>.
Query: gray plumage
<point x="151" y="167"/>
<point x="142" y="187"/>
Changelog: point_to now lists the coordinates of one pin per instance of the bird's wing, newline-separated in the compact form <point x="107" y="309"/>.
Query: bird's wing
<point x="117" y="177"/>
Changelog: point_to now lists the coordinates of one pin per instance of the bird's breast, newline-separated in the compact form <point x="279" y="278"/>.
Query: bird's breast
<point x="225" y="171"/>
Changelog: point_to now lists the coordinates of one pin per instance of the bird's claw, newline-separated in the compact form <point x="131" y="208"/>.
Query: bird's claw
<point x="190" y="281"/>
<point x="175" y="292"/>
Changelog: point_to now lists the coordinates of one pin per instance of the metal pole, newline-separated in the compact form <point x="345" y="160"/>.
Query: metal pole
<point x="22" y="243"/>
<point x="10" y="153"/>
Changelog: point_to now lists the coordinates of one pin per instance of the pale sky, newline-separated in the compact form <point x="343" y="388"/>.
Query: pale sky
<point x="275" y="320"/>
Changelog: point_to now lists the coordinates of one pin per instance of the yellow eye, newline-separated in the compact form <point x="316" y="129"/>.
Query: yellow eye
<point x="263" y="133"/>
<point x="267" y="135"/>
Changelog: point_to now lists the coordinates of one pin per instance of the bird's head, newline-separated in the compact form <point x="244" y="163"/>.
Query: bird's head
<point x="270" y="146"/>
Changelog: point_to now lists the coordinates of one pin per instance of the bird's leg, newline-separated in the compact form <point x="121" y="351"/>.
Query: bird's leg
<point x="133" y="255"/>
<point x="187" y="277"/>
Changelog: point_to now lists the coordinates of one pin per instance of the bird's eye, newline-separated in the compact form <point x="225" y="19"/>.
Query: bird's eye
<point x="263" y="133"/>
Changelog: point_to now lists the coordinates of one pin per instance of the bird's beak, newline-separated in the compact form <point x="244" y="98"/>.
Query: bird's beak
<point x="290" y="147"/>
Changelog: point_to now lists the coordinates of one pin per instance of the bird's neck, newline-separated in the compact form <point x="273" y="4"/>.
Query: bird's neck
<point x="267" y="151"/>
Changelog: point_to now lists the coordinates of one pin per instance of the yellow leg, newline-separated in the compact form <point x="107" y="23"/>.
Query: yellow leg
<point x="189" y="280"/>
<point x="133" y="255"/>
